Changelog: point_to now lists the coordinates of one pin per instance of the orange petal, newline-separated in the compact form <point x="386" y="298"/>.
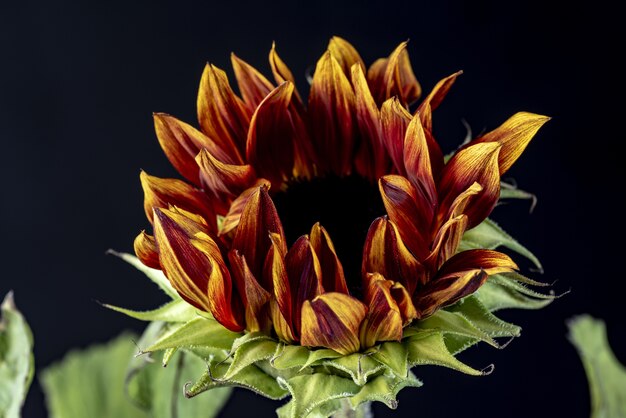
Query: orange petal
<point x="395" y="120"/>
<point x="253" y="296"/>
<point x="146" y="250"/>
<point x="281" y="327"/>
<point x="331" y="109"/>
<point x="252" y="84"/>
<point x="371" y="159"/>
<point x="408" y="212"/>
<point x="376" y="80"/>
<point x="270" y="143"/>
<point x="305" y="276"/>
<point x="252" y="237"/>
<point x="276" y="278"/>
<point x="333" y="279"/>
<point x="404" y="302"/>
<point x="222" y="115"/>
<point x="475" y="164"/>
<point x="446" y="241"/>
<point x="332" y="320"/>
<point x="181" y="143"/>
<point x="399" y="78"/>
<point x="514" y="135"/>
<point x="232" y="218"/>
<point x="383" y="321"/>
<point x="385" y="253"/>
<point x="491" y="262"/>
<point x="163" y="193"/>
<point x="225" y="181"/>
<point x="192" y="262"/>
<point x="434" y="99"/>
<point x="418" y="168"/>
<point x="447" y="290"/>
<point x="345" y="54"/>
<point x="280" y="70"/>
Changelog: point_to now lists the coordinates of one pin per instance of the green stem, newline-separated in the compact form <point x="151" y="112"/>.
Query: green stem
<point x="362" y="411"/>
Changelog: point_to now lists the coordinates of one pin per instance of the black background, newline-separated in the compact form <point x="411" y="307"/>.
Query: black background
<point x="78" y="83"/>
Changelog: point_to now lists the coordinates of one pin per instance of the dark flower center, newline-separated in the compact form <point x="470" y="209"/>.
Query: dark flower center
<point x="344" y="206"/>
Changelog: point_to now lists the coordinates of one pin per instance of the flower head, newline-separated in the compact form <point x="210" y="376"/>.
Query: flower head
<point x="219" y="237"/>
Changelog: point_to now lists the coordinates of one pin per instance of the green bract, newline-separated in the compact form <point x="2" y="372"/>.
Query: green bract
<point x="319" y="382"/>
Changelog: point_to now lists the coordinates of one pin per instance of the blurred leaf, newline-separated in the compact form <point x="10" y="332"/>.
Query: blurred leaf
<point x="510" y="191"/>
<point x="16" y="359"/>
<point x="90" y="383"/>
<point x="155" y="275"/>
<point x="607" y="377"/>
<point x="174" y="311"/>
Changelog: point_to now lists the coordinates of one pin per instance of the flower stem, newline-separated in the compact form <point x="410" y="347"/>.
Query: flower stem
<point x="362" y="411"/>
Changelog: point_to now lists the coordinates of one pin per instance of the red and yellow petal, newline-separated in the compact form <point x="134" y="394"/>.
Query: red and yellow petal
<point x="163" y="193"/>
<point x="331" y="110"/>
<point x="333" y="320"/>
<point x="447" y="290"/>
<point x="281" y="71"/>
<point x="270" y="143"/>
<point x="222" y="115"/>
<point x="434" y="99"/>
<point x="395" y="119"/>
<point x="276" y="278"/>
<point x="345" y="54"/>
<point x="333" y="279"/>
<point x="254" y="297"/>
<point x="192" y="262"/>
<point x="514" y="135"/>
<point x="233" y="216"/>
<point x="475" y="164"/>
<point x="405" y="305"/>
<point x="385" y="253"/>
<point x="252" y="84"/>
<point x="146" y="250"/>
<point x="384" y="320"/>
<point x="394" y="76"/>
<point x="418" y="166"/>
<point x="490" y="261"/>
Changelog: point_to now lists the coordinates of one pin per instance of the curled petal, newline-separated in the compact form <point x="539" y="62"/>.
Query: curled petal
<point x="399" y="78"/>
<point x="146" y="250"/>
<point x="305" y="276"/>
<point x="231" y="220"/>
<point x="491" y="262"/>
<point x="222" y="115"/>
<point x="182" y="142"/>
<point x="254" y="298"/>
<point x="163" y="193"/>
<point x="446" y="241"/>
<point x="345" y="54"/>
<point x="252" y="237"/>
<point x="385" y="253"/>
<point x="270" y="143"/>
<point x="405" y="305"/>
<point x="514" y="135"/>
<point x="408" y="212"/>
<point x="225" y="181"/>
<point x="276" y="278"/>
<point x="383" y="321"/>
<point x="395" y="120"/>
<point x="371" y="159"/>
<point x="281" y="327"/>
<point x="332" y="320"/>
<point x="434" y="99"/>
<point x="333" y="279"/>
<point x="475" y="164"/>
<point x="192" y="262"/>
<point x="446" y="290"/>
<point x="280" y="70"/>
<point x="331" y="109"/>
<point x="418" y="167"/>
<point x="252" y="84"/>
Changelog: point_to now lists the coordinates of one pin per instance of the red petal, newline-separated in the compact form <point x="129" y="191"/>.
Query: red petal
<point x="275" y="275"/>
<point x="146" y="250"/>
<point x="253" y="296"/>
<point x="252" y="84"/>
<point x="434" y="99"/>
<point x="280" y="71"/>
<point x="418" y="167"/>
<point x="395" y="120"/>
<point x="345" y="54"/>
<point x="383" y="321"/>
<point x="232" y="218"/>
<point x="332" y="320"/>
<point x="333" y="279"/>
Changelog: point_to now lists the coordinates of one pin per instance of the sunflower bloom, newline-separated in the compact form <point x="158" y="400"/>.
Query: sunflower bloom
<point x="219" y="235"/>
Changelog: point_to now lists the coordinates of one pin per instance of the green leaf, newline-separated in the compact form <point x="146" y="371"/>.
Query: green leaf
<point x="197" y="332"/>
<point x="90" y="383"/>
<point x="313" y="391"/>
<point x="174" y="311"/>
<point x="358" y="366"/>
<point x="155" y="275"/>
<point x="289" y="356"/>
<point x="489" y="235"/>
<point x="607" y="377"/>
<point x="454" y="323"/>
<point x="477" y="313"/>
<point x="394" y="356"/>
<point x="432" y="350"/>
<point x="250" y="353"/>
<point x="384" y="389"/>
<point x="510" y="191"/>
<point x="495" y="296"/>
<point x="16" y="359"/>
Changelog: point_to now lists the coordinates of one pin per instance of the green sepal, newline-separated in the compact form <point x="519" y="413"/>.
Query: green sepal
<point x="249" y="353"/>
<point x="384" y="389"/>
<point x="495" y="296"/>
<point x="454" y="323"/>
<point x="251" y="377"/>
<point x="17" y="364"/>
<point x="489" y="235"/>
<point x="479" y="315"/>
<point x="174" y="311"/>
<point x="394" y="356"/>
<point x="155" y="275"/>
<point x="510" y="191"/>
<point x="431" y="350"/>
<point x="358" y="366"/>
<point x="197" y="332"/>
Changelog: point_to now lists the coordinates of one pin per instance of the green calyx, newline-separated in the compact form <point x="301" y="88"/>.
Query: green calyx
<point x="321" y="382"/>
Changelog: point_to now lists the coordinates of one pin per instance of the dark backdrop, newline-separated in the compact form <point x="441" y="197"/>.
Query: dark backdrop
<point x="78" y="83"/>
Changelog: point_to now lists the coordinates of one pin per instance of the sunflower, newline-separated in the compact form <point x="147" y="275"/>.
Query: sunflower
<point x="219" y="236"/>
